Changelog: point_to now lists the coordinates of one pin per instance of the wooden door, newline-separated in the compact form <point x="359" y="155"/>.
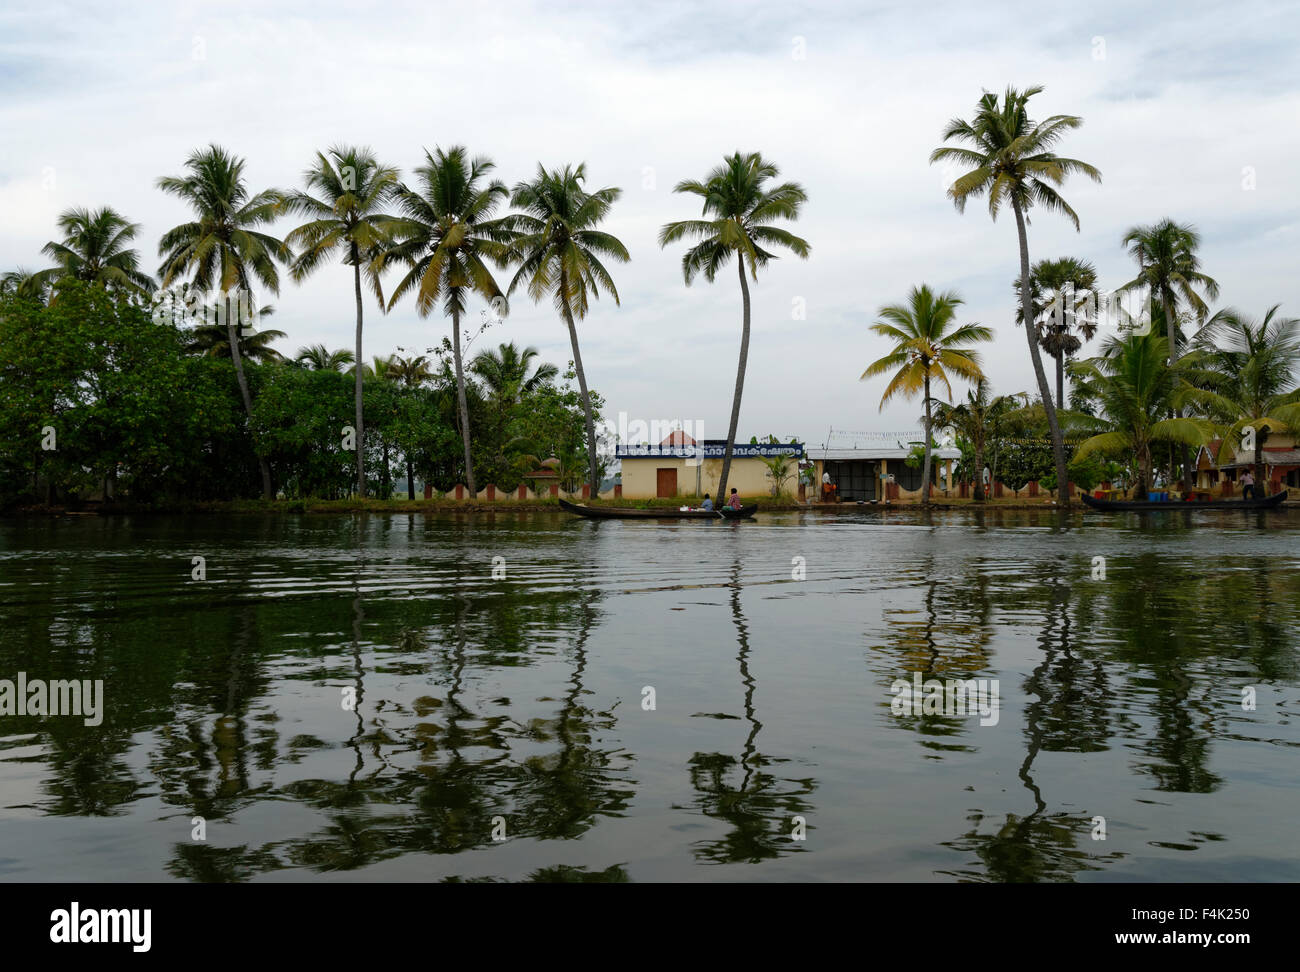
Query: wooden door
<point x="665" y="482"/>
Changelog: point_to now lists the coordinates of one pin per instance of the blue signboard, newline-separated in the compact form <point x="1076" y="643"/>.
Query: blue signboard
<point x="711" y="450"/>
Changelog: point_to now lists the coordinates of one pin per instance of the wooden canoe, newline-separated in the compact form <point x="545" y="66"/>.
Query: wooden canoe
<point x="1173" y="506"/>
<point x="664" y="513"/>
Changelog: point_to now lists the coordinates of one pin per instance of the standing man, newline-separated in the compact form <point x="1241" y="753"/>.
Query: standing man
<point x="1247" y="485"/>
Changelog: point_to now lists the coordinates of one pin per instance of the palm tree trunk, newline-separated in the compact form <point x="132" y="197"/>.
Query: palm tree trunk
<point x="979" y="470"/>
<point x="360" y="419"/>
<point x="1060" y="380"/>
<point x="593" y="474"/>
<point x="461" y="406"/>
<point x="925" y="465"/>
<point x="1171" y="329"/>
<point x="1031" y="333"/>
<point x="410" y="481"/>
<point x="740" y="381"/>
<point x="232" y="331"/>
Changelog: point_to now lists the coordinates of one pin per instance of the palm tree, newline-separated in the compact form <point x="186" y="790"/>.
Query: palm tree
<point x="211" y="341"/>
<point x="345" y="216"/>
<point x="560" y="248"/>
<point x="411" y="372"/>
<point x="1011" y="159"/>
<point x="742" y="211"/>
<point x="31" y="284"/>
<point x="506" y="373"/>
<point x="1169" y="269"/>
<point x="95" y="249"/>
<point x="1252" y="368"/>
<point x="446" y="233"/>
<point x="926" y="346"/>
<point x="317" y="357"/>
<point x="1060" y="290"/>
<point x="223" y="247"/>
<point x="1133" y="386"/>
<point x="978" y="419"/>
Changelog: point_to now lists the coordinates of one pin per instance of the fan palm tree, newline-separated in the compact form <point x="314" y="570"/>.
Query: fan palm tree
<point x="95" y="249"/>
<point x="1060" y="290"/>
<point x="978" y="419"/>
<point x="926" y="347"/>
<point x="347" y="189"/>
<point x="445" y="235"/>
<point x="224" y="246"/>
<point x="1133" y="385"/>
<point x="559" y="248"/>
<point x="1252" y="383"/>
<point x="317" y="357"/>
<point x="741" y="211"/>
<point x="1011" y="160"/>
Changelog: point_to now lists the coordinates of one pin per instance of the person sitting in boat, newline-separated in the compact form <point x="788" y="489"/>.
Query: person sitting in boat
<point x="1247" y="485"/>
<point x="707" y="504"/>
<point x="734" y="499"/>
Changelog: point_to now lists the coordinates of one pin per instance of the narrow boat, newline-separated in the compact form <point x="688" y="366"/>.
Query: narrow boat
<point x="664" y="513"/>
<point x="1173" y="506"/>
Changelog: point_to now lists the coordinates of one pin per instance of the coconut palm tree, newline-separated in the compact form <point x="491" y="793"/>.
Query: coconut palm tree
<point x="508" y="373"/>
<point x="317" y="357"/>
<point x="21" y="282"/>
<point x="445" y="235"/>
<point x="927" y="346"/>
<point x="95" y="249"/>
<point x="978" y="419"/>
<point x="1011" y="160"/>
<point x="741" y="210"/>
<point x="559" y="248"/>
<point x="347" y="190"/>
<point x="411" y="372"/>
<point x="1061" y="289"/>
<point x="224" y="246"/>
<point x="1133" y="386"/>
<point x="211" y="341"/>
<point x="1169" y="269"/>
<point x="1252" y="365"/>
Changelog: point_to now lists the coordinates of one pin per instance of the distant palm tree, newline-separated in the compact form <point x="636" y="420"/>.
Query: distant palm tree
<point x="1169" y="268"/>
<point x="1134" y="386"/>
<point x="346" y="218"/>
<point x="742" y="211"/>
<point x="978" y="419"/>
<point x="411" y="372"/>
<point x="95" y="249"/>
<point x="926" y="346"/>
<point x="21" y="282"/>
<point x="1011" y="160"/>
<point x="508" y="373"/>
<point x="1252" y="384"/>
<point x="1061" y="289"/>
<point x="224" y="247"/>
<point x="560" y="248"/>
<point x="445" y="236"/>
<point x="211" y="341"/>
<point x="317" y="357"/>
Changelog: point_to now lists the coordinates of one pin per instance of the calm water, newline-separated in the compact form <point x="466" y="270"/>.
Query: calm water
<point x="520" y="704"/>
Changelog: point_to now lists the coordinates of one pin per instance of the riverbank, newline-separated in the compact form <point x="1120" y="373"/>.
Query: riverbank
<point x="377" y="506"/>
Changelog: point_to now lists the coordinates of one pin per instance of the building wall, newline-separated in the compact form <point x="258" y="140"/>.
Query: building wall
<point x="940" y="471"/>
<point x="748" y="476"/>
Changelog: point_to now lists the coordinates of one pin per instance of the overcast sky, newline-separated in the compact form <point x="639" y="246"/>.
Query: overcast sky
<point x="1181" y="116"/>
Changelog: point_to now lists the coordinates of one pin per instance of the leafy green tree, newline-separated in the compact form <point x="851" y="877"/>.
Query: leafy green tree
<point x="224" y="246"/>
<point x="347" y="190"/>
<point x="740" y="211"/>
<point x="1011" y="159"/>
<point x="927" y="346"/>
<point x="559" y="250"/>
<point x="446" y="235"/>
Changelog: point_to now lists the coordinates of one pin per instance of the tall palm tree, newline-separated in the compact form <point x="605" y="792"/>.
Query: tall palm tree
<point x="1133" y="387"/>
<point x="1061" y="289"/>
<point x="1169" y="268"/>
<point x="741" y="210"/>
<point x="445" y="235"/>
<point x="95" y="248"/>
<point x="1011" y="160"/>
<point x="1252" y="383"/>
<point x="317" y="357"/>
<point x="224" y="246"/>
<point x="927" y="347"/>
<point x="347" y="190"/>
<point x="559" y="249"/>
<point x="978" y="418"/>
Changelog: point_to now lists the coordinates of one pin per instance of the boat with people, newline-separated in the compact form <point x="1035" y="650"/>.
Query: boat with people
<point x="1185" y="506"/>
<point x="657" y="513"/>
